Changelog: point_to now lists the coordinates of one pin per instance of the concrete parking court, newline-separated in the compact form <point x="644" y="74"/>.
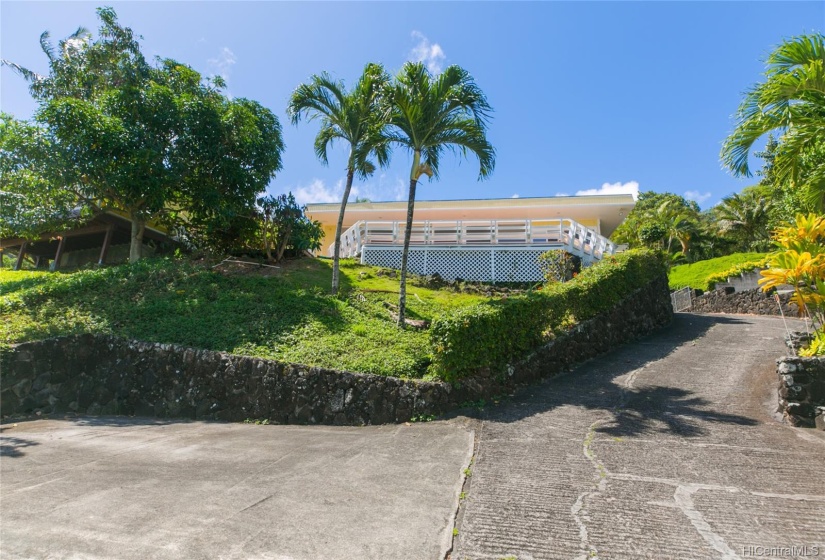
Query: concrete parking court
<point x="111" y="488"/>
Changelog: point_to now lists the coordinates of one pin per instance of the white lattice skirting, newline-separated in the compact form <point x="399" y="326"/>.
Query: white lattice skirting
<point x="478" y="264"/>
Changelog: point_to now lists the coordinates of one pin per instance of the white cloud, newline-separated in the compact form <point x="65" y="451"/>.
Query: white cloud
<point x="381" y="190"/>
<point x="376" y="191"/>
<point x="222" y="64"/>
<point x="431" y="54"/>
<point x="514" y="196"/>
<point x="316" y="192"/>
<point x="697" y="196"/>
<point x="631" y="187"/>
<point x="562" y="194"/>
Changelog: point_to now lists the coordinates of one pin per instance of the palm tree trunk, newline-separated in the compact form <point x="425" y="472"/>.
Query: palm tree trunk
<point x="336" y="257"/>
<point x="402" y="298"/>
<point x="136" y="246"/>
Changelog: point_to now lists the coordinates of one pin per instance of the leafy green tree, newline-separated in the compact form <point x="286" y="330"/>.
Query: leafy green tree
<point x="284" y="225"/>
<point x="427" y="116"/>
<point x="791" y="104"/>
<point x="785" y="201"/>
<point x="657" y="220"/>
<point x="30" y="204"/>
<point x="152" y="141"/>
<point x="354" y="117"/>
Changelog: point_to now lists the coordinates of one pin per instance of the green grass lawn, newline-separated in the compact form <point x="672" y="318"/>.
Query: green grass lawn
<point x="284" y="314"/>
<point x="696" y="274"/>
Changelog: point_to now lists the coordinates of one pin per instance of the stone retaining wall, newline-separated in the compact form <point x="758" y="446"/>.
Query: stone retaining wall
<point x="748" y="302"/>
<point x="99" y="374"/>
<point x="802" y="390"/>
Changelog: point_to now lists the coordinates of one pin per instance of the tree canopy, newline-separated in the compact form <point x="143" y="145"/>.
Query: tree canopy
<point x="153" y="141"/>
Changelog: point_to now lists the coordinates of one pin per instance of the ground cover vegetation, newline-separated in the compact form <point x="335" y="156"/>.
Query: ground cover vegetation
<point x="287" y="314"/>
<point x="703" y="275"/>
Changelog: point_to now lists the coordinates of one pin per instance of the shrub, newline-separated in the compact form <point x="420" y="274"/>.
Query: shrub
<point x="557" y="265"/>
<point x="800" y="262"/>
<point x="723" y="276"/>
<point x="495" y="333"/>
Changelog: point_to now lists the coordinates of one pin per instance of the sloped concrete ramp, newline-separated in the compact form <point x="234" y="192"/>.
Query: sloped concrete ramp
<point x="113" y="488"/>
<point x="665" y="449"/>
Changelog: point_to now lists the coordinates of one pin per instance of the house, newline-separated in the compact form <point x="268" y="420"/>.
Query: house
<point x="490" y="240"/>
<point x="104" y="239"/>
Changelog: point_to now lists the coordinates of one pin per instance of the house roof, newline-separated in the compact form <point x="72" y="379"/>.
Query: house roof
<point x="609" y="210"/>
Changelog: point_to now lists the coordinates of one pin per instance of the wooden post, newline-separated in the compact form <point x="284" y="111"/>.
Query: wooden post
<point x="20" y="254"/>
<point x="59" y="253"/>
<point x="107" y="240"/>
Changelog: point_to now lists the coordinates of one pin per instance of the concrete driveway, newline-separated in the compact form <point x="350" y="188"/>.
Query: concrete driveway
<point x="140" y="489"/>
<point x="667" y="448"/>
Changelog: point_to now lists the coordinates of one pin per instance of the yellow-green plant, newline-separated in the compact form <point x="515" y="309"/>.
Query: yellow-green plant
<point x="800" y="262"/>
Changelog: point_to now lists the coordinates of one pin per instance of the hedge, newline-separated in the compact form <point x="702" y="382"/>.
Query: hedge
<point x="496" y="333"/>
<point x="723" y="276"/>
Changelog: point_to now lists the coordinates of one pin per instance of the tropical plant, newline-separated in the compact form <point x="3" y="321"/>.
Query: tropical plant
<point x="657" y="221"/>
<point x="355" y="117"/>
<point x="745" y="217"/>
<point x="679" y="222"/>
<point x="427" y="116"/>
<point x="800" y="262"/>
<point x="789" y="103"/>
<point x="151" y="141"/>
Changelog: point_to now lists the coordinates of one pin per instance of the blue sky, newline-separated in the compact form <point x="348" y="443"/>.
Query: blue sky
<point x="588" y="96"/>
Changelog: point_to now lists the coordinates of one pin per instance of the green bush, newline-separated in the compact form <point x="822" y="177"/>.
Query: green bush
<point x="723" y="276"/>
<point x="494" y="333"/>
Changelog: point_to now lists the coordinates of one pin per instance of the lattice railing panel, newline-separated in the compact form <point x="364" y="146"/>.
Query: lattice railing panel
<point x="467" y="265"/>
<point x="516" y="264"/>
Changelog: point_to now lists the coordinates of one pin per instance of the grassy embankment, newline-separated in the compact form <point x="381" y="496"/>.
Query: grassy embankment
<point x="284" y="314"/>
<point x="698" y="274"/>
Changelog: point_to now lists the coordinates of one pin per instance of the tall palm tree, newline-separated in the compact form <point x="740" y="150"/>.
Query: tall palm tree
<point x="355" y="117"/>
<point x="427" y="116"/>
<point x="790" y="103"/>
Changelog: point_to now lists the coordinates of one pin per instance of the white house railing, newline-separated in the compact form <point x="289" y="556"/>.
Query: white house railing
<point x="560" y="233"/>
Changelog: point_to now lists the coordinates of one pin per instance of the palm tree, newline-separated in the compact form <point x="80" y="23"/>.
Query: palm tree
<point x="745" y="217"/>
<point x="679" y="224"/>
<point x="356" y="117"/>
<point x="790" y="103"/>
<point x="428" y="115"/>
<point x="67" y="47"/>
